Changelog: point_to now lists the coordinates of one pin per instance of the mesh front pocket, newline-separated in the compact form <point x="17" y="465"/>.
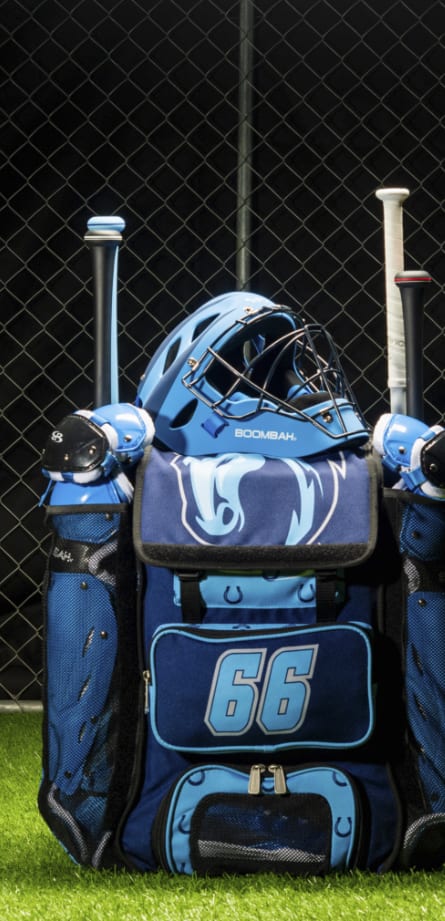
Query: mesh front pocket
<point x="242" y="834"/>
<point x="219" y="819"/>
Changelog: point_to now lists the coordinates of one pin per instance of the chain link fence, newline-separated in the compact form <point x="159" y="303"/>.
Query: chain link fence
<point x="242" y="142"/>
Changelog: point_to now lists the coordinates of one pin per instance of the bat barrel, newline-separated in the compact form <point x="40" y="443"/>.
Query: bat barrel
<point x="392" y="200"/>
<point x="103" y="236"/>
<point x="412" y="285"/>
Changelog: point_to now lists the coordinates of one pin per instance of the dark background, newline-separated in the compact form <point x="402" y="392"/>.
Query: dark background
<point x="133" y="108"/>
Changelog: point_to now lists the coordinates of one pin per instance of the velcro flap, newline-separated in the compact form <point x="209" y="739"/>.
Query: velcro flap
<point x="261" y="689"/>
<point x="249" y="511"/>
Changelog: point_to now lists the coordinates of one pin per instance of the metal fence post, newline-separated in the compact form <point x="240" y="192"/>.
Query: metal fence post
<point x="244" y="172"/>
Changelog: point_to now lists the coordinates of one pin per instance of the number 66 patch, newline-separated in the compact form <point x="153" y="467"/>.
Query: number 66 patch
<point x="229" y="690"/>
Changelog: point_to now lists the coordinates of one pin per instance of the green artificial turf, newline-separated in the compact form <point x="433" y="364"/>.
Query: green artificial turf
<point x="38" y="881"/>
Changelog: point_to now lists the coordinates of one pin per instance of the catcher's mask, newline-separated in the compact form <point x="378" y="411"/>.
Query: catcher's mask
<point x="245" y="375"/>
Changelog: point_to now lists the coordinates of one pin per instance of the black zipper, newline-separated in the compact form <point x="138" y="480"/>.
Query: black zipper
<point x="257" y="629"/>
<point x="141" y="730"/>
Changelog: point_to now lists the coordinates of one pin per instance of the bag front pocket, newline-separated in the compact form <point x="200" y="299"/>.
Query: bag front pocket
<point x="219" y="819"/>
<point x="260" y="689"/>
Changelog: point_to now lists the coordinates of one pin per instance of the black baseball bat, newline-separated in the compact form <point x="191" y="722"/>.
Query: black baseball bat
<point x="104" y="236"/>
<point x="412" y="286"/>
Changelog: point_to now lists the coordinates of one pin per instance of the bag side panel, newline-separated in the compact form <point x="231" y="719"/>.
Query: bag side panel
<point x="421" y="525"/>
<point x="91" y="679"/>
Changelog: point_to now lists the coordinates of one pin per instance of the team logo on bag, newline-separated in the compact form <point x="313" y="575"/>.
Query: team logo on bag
<point x="223" y="500"/>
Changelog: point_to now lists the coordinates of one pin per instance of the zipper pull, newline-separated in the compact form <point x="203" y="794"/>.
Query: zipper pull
<point x="254" y="787"/>
<point x="146" y="677"/>
<point x="279" y="779"/>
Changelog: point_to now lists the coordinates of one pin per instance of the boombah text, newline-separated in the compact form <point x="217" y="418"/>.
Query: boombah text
<point x="260" y="434"/>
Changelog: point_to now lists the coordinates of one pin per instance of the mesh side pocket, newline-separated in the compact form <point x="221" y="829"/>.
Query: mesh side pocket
<point x="245" y="834"/>
<point x="91" y="682"/>
<point x="425" y="690"/>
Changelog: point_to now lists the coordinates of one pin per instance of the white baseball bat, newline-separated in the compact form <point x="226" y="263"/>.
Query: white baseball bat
<point x="394" y="263"/>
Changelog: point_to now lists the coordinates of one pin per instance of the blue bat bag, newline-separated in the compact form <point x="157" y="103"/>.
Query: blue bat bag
<point x="244" y="626"/>
<point x="239" y="671"/>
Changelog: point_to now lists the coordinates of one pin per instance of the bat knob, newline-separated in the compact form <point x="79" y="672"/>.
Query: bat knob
<point x="412" y="279"/>
<point x="392" y="195"/>
<point x="113" y="222"/>
<point x="104" y="229"/>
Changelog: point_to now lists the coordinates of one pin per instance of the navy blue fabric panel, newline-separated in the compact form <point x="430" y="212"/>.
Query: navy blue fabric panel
<point x="159" y="604"/>
<point x="423" y="530"/>
<point x="360" y="604"/>
<point x="382" y="812"/>
<point x="261" y="689"/>
<point x="250" y="500"/>
<point x="159" y="771"/>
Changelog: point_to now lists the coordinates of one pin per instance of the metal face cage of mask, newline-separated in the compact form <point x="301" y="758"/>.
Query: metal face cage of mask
<point x="274" y="360"/>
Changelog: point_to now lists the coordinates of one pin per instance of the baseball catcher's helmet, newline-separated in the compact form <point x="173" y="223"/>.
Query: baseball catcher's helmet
<point x="242" y="374"/>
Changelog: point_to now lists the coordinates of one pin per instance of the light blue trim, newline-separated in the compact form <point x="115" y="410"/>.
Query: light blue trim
<point x="259" y="592"/>
<point x="114" y="362"/>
